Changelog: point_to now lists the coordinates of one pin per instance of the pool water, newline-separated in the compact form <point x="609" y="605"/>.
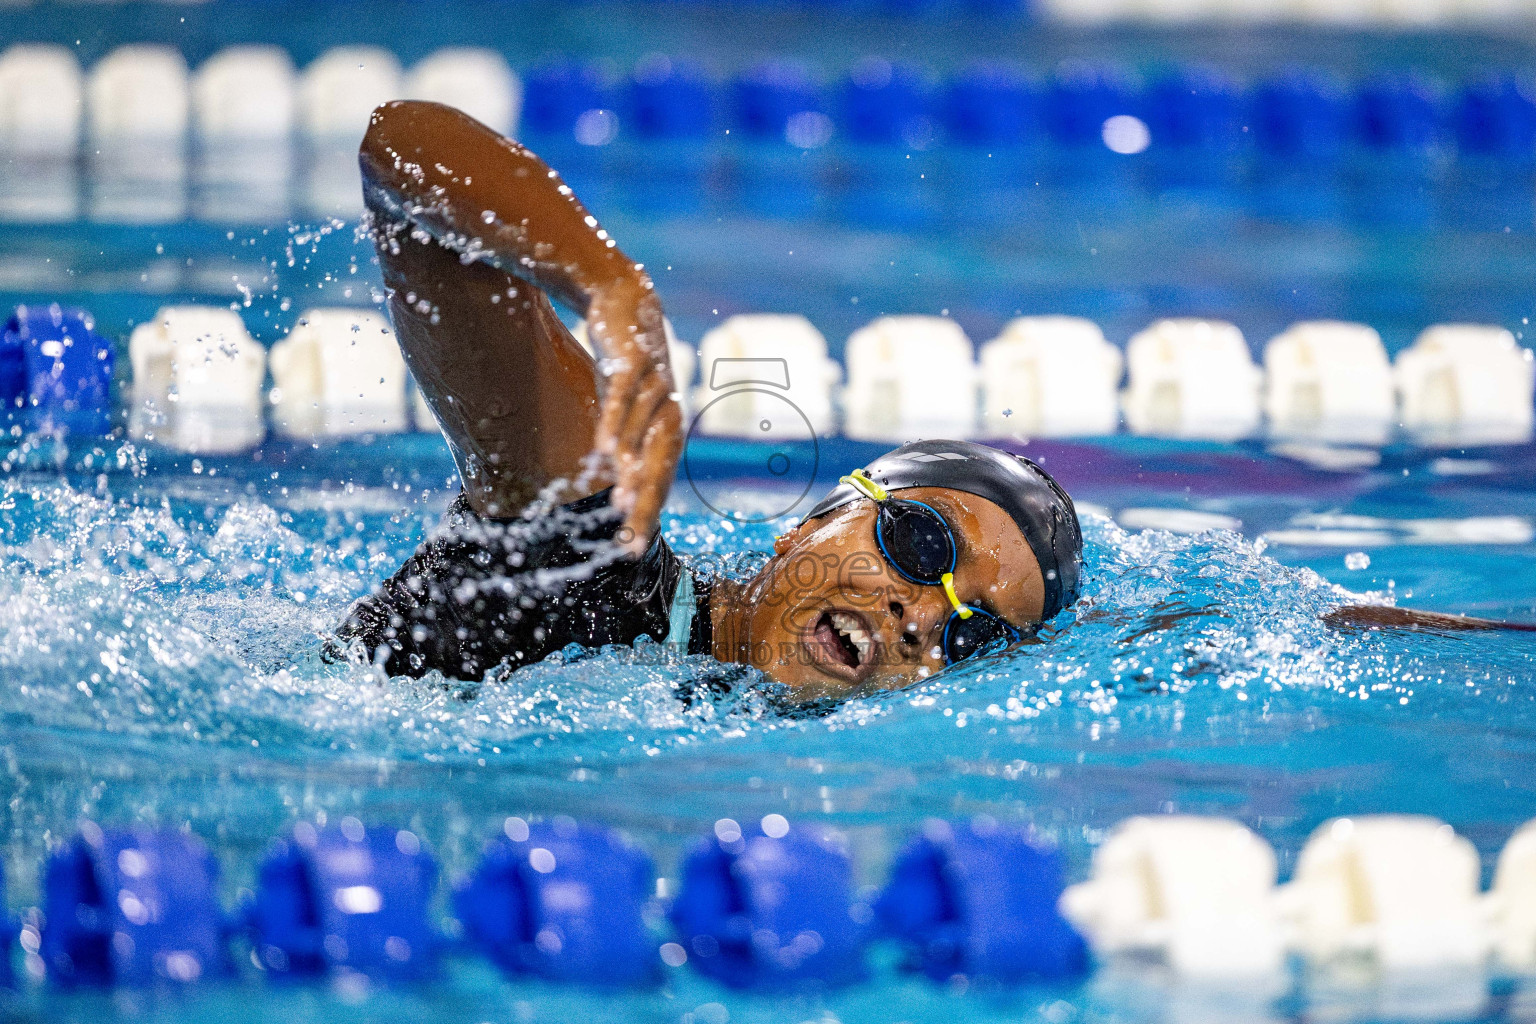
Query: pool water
<point x="160" y="624"/>
<point x="161" y="615"/>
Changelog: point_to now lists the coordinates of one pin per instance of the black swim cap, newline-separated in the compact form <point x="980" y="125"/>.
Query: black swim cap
<point x="1036" y="502"/>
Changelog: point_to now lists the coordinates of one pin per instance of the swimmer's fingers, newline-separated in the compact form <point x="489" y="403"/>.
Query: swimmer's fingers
<point x="650" y="474"/>
<point x="651" y="392"/>
<point x="646" y="458"/>
<point x="627" y="326"/>
<point x="620" y="378"/>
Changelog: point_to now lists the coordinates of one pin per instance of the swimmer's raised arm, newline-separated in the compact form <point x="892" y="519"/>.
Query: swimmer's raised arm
<point x="435" y="180"/>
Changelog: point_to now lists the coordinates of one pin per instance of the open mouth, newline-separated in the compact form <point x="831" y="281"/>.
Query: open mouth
<point x="845" y="639"/>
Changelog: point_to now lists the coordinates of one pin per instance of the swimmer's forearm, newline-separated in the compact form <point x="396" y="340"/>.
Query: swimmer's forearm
<point x="1386" y="617"/>
<point x="489" y="198"/>
<point x="430" y="170"/>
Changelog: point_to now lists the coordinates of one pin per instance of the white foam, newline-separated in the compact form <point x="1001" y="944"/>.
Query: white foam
<point x="42" y="99"/>
<point x="339" y="371"/>
<point x="1329" y="380"/>
<point x="473" y="79"/>
<point x="1191" y="378"/>
<point x="1050" y="376"/>
<point x="245" y="92"/>
<point x="910" y="376"/>
<point x="765" y="375"/>
<point x="1197" y="892"/>
<point x="343" y="86"/>
<point x="1399" y="891"/>
<point x="139" y="93"/>
<point x="1469" y="381"/>
<point x="1176" y="520"/>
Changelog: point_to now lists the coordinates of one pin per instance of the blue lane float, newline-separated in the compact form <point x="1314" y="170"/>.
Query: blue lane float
<point x="883" y="103"/>
<point x="1496" y="117"/>
<point x="769" y="909"/>
<point x="563" y="901"/>
<point x="990" y="104"/>
<point x="670" y="100"/>
<point x="348" y="898"/>
<point x="7" y="937"/>
<point x="979" y="900"/>
<point x="132" y="907"/>
<point x="765" y="98"/>
<point x="55" y="370"/>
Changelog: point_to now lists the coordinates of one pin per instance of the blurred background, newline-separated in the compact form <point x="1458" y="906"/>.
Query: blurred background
<point x="1260" y="161"/>
<point x="1252" y="163"/>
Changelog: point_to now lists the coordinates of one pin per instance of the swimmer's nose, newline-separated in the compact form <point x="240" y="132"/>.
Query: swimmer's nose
<point x="916" y="625"/>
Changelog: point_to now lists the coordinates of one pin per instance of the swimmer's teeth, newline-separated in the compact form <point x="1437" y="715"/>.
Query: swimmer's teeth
<point x="848" y="625"/>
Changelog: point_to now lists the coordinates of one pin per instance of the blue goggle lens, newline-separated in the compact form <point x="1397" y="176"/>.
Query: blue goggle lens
<point x="916" y="540"/>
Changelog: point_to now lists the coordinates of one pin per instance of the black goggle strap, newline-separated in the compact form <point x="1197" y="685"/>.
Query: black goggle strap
<point x="860" y="481"/>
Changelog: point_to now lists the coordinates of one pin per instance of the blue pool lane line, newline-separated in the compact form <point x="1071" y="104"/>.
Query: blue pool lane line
<point x="346" y="897"/>
<point x="770" y="907"/>
<point x="979" y="900"/>
<point x="132" y="906"/>
<point x="564" y="901"/>
<point x="56" y="371"/>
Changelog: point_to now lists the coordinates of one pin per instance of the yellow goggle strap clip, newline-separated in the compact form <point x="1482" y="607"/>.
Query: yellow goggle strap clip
<point x="948" y="579"/>
<point x="860" y="481"/>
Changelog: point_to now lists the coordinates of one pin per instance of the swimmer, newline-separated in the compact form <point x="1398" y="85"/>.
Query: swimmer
<point x="932" y="554"/>
<point x="923" y="558"/>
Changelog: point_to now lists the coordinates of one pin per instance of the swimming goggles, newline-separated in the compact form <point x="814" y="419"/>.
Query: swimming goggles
<point x="917" y="542"/>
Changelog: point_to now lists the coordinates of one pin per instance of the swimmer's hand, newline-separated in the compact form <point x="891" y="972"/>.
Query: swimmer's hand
<point x="639" y="431"/>
<point x="1388" y="617"/>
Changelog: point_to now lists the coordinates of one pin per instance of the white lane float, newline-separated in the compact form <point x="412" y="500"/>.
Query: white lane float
<point x="140" y="93"/>
<point x="337" y="93"/>
<point x="1050" y="376"/>
<point x="1197" y="893"/>
<point x="1331" y="380"/>
<point x="1399" y="892"/>
<point x="1467" y="382"/>
<point x="1191" y="378"/>
<point x="197" y="376"/>
<point x="765" y="376"/>
<point x="909" y="376"/>
<point x="340" y="89"/>
<point x="338" y="372"/>
<point x="244" y="108"/>
<point x="1512" y="901"/>
<point x="42" y="101"/>
<point x="138" y="110"/>
<point x="245" y="93"/>
<point x="473" y="79"/>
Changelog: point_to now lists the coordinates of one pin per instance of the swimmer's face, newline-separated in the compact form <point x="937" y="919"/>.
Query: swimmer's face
<point x="831" y="618"/>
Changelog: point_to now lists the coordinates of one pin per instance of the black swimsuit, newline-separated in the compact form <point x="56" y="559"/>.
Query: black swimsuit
<point x="480" y="593"/>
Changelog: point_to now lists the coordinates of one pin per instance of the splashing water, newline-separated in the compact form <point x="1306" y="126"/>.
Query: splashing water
<point x="161" y="650"/>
